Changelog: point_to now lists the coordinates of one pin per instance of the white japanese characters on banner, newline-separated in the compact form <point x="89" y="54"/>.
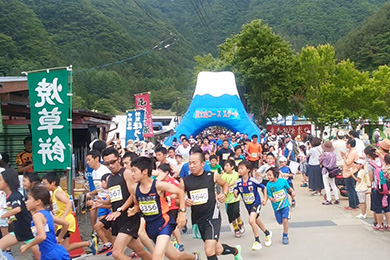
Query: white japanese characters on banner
<point x="49" y="103"/>
<point x="135" y="125"/>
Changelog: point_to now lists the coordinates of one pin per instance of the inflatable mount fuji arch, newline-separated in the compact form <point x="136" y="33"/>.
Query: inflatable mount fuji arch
<point x="215" y="103"/>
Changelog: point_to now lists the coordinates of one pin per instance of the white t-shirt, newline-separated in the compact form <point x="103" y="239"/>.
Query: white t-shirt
<point x="339" y="146"/>
<point x="360" y="147"/>
<point x="97" y="180"/>
<point x="365" y="182"/>
<point x="171" y="160"/>
<point x="314" y="153"/>
<point x="185" y="152"/>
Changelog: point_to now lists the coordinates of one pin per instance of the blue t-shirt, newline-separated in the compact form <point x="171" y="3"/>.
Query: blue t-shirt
<point x="49" y="248"/>
<point x="185" y="170"/>
<point x="286" y="170"/>
<point x="278" y="190"/>
<point x="249" y="191"/>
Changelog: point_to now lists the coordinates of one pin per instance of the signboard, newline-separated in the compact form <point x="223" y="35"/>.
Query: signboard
<point x="216" y="113"/>
<point x="135" y="125"/>
<point x="50" y="119"/>
<point x="142" y="102"/>
<point x="292" y="129"/>
<point x="1" y="119"/>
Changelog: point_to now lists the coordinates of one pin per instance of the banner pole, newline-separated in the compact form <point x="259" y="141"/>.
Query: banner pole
<point x="70" y="96"/>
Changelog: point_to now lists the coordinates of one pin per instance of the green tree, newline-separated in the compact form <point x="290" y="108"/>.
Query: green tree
<point x="360" y="98"/>
<point x="78" y="102"/>
<point x="105" y="106"/>
<point x="182" y="106"/>
<point x="381" y="82"/>
<point x="264" y="63"/>
<point x="338" y="91"/>
<point x="321" y="100"/>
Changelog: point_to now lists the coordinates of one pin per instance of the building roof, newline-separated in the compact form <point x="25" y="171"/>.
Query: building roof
<point x="13" y="78"/>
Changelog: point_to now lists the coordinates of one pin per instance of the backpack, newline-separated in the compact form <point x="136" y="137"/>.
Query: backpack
<point x="381" y="179"/>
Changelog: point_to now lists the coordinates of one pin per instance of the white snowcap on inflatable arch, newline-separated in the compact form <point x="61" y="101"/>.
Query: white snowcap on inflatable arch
<point x="216" y="102"/>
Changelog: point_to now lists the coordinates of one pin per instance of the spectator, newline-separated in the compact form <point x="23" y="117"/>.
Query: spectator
<point x="339" y="146"/>
<point x="348" y="169"/>
<point x="328" y="162"/>
<point x="24" y="161"/>
<point x="313" y="167"/>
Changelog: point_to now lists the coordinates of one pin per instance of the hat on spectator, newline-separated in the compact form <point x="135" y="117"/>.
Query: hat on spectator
<point x="340" y="133"/>
<point x="282" y="159"/>
<point x="360" y="161"/>
<point x="384" y="144"/>
<point x="179" y="154"/>
<point x="327" y="146"/>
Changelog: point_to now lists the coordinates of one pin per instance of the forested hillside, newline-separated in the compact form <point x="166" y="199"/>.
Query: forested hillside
<point x="149" y="45"/>
<point x="368" y="45"/>
<point x="301" y="22"/>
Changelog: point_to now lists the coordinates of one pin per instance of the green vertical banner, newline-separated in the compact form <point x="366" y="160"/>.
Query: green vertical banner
<point x="50" y="118"/>
<point x="1" y="119"/>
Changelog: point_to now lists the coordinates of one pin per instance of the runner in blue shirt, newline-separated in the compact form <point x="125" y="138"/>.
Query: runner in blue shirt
<point x="277" y="189"/>
<point x="248" y="188"/>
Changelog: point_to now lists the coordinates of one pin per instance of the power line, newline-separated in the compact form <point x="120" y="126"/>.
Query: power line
<point x="200" y="16"/>
<point x="166" y="28"/>
<point x="161" y="45"/>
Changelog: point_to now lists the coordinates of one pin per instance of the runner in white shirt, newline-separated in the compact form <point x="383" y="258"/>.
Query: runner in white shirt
<point x="184" y="149"/>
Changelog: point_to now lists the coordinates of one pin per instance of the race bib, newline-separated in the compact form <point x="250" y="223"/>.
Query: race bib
<point x="248" y="198"/>
<point x="279" y="195"/>
<point x="34" y="230"/>
<point x="115" y="193"/>
<point x="231" y="189"/>
<point x="254" y="155"/>
<point x="225" y="156"/>
<point x="148" y="208"/>
<point x="200" y="196"/>
<point x="55" y="208"/>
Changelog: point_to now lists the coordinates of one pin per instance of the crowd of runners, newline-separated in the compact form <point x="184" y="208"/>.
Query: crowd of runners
<point x="139" y="195"/>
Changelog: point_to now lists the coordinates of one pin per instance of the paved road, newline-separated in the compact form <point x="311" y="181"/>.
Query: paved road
<point x="316" y="232"/>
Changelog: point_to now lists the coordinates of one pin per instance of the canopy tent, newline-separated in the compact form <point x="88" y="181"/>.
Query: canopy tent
<point x="216" y="102"/>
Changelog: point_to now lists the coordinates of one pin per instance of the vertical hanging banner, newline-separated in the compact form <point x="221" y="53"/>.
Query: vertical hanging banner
<point x="135" y="125"/>
<point x="1" y="119"/>
<point x="50" y="111"/>
<point x="142" y="102"/>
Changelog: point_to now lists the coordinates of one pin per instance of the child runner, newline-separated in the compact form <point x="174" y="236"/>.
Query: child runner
<point x="171" y="200"/>
<point x="248" y="188"/>
<point x="103" y="231"/>
<point x="42" y="226"/>
<point x="215" y="167"/>
<point x="3" y="210"/>
<point x="62" y="208"/>
<point x="150" y="200"/>
<point x="238" y="157"/>
<point x="287" y="175"/>
<point x="9" y="183"/>
<point x="29" y="180"/>
<point x="362" y="184"/>
<point x="204" y="208"/>
<point x="277" y="189"/>
<point x="231" y="202"/>
<point x="261" y="174"/>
